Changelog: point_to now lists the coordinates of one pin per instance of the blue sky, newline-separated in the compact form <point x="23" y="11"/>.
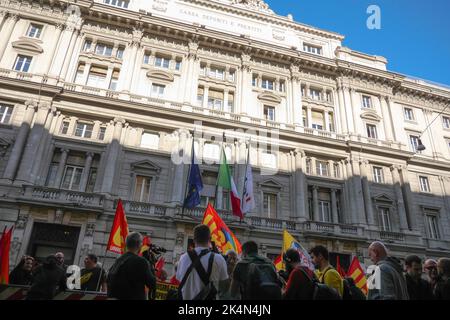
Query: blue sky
<point x="414" y="35"/>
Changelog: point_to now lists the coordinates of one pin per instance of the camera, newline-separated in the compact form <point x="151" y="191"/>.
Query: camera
<point x="157" y="250"/>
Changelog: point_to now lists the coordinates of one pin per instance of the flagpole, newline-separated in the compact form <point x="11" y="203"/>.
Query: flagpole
<point x="245" y="176"/>
<point x="101" y="269"/>
<point x="189" y="175"/>
<point x="218" y="172"/>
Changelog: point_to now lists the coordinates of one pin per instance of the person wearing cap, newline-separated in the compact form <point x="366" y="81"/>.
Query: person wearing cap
<point x="299" y="285"/>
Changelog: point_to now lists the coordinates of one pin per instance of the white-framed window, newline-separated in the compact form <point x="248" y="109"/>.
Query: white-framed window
<point x="178" y="65"/>
<point x="231" y="76"/>
<point x="270" y="205"/>
<point x="162" y="62"/>
<point x="322" y="168"/>
<point x="101" y="133"/>
<point x="119" y="53"/>
<point x="65" y="127"/>
<point x="372" y="131"/>
<point x="446" y="122"/>
<point x="217" y="73"/>
<point x="413" y="142"/>
<point x="378" y="176"/>
<point x="282" y="86"/>
<point x="230" y="102"/>
<point x="255" y="80"/>
<point x="314" y="94"/>
<point x="142" y="189"/>
<point x="84" y="130"/>
<point x="200" y="94"/>
<point x="5" y="113"/>
<point x="226" y="200"/>
<point x="87" y="45"/>
<point x="409" y="114"/>
<point x="97" y="77"/>
<point x="324" y="211"/>
<point x="424" y="184"/>
<point x="432" y="226"/>
<point x="158" y="90"/>
<point x="114" y="80"/>
<point x="215" y="99"/>
<point x="367" y="101"/>
<point x="269" y="113"/>
<point x="204" y="200"/>
<point x="268" y="160"/>
<point x="150" y="140"/>
<point x="118" y="3"/>
<point x="72" y="178"/>
<point x="317" y="126"/>
<point x="267" y="84"/>
<point x="22" y="63"/>
<point x="211" y="151"/>
<point x="104" y="49"/>
<point x="312" y="49"/>
<point x="385" y="219"/>
<point x="34" y="31"/>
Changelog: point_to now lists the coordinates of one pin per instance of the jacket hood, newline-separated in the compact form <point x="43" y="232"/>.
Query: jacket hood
<point x="393" y="262"/>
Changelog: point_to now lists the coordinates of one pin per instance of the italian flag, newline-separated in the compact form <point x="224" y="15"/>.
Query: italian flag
<point x="225" y="180"/>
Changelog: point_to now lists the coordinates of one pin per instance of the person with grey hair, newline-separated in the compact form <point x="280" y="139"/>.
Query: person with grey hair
<point x="392" y="283"/>
<point x="130" y="273"/>
<point x="442" y="291"/>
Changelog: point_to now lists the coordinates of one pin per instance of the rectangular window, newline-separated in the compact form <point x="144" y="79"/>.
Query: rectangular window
<point x="372" y="131"/>
<point x="104" y="49"/>
<point x="22" y="63"/>
<point x="409" y="114"/>
<point x="231" y="76"/>
<point x="178" y="65"/>
<point x="255" y="80"/>
<point x="142" y="189"/>
<point x="118" y="3"/>
<point x="146" y="58"/>
<point x="72" y="178"/>
<point x="414" y="142"/>
<point x="200" y="93"/>
<point x="378" y="175"/>
<point x="282" y="86"/>
<point x="87" y="45"/>
<point x="312" y="49"/>
<point x="446" y="122"/>
<point x="432" y="226"/>
<point x="314" y="94"/>
<point x="267" y="84"/>
<point x="34" y="31"/>
<point x="101" y="133"/>
<point x="84" y="130"/>
<point x="324" y="211"/>
<point x="424" y="184"/>
<point x="269" y="113"/>
<point x="114" y="80"/>
<point x="65" y="127"/>
<point x="367" y="102"/>
<point x="150" y="140"/>
<point x="119" y="54"/>
<point x="322" y="168"/>
<point x="162" y="62"/>
<point x="385" y="221"/>
<point x="217" y="73"/>
<point x="158" y="90"/>
<point x="5" y="113"/>
<point x="270" y="205"/>
<point x="215" y="100"/>
<point x="97" y="77"/>
<point x="225" y="200"/>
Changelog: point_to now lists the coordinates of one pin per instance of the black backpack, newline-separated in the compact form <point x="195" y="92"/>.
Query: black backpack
<point x="352" y="292"/>
<point x="321" y="290"/>
<point x="262" y="282"/>
<point x="116" y="280"/>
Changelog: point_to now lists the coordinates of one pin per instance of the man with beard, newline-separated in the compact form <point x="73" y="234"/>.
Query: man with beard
<point x="299" y="285"/>
<point x="418" y="288"/>
<point x="430" y="268"/>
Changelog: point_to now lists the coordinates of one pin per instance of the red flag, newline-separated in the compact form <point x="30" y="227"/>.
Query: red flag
<point x="159" y="267"/>
<point x="278" y="262"/>
<point x="5" y="244"/>
<point x="357" y="273"/>
<point x="119" y="231"/>
<point x="339" y="269"/>
<point x="174" y="280"/>
<point x="146" y="242"/>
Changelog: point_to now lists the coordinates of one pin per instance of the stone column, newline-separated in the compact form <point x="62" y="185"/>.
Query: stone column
<point x="357" y="196"/>
<point x="357" y="123"/>
<point x="19" y="144"/>
<point x="300" y="186"/>
<point x="3" y="16"/>
<point x="348" y="105"/>
<point x="309" y="117"/>
<point x="389" y="115"/>
<point x="135" y="44"/>
<point x="386" y="118"/>
<point x="52" y="51"/>
<point x="61" y="167"/>
<point x="113" y="154"/>
<point x="71" y="55"/>
<point x="297" y="101"/>
<point x="225" y="100"/>
<point x="86" y="171"/>
<point x="246" y="88"/>
<point x="205" y="96"/>
<point x="33" y="142"/>
<point x="410" y="204"/>
<point x="313" y="166"/>
<point x="315" y="203"/>
<point x="6" y="32"/>
<point x="342" y="110"/>
<point x="399" y="197"/>
<point x="327" y="120"/>
<point x="191" y="58"/>
<point x="366" y="191"/>
<point x="334" y="210"/>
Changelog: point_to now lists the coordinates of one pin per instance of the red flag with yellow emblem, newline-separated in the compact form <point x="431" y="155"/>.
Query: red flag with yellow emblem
<point x="357" y="273"/>
<point x="220" y="233"/>
<point x="146" y="242"/>
<point x="119" y="231"/>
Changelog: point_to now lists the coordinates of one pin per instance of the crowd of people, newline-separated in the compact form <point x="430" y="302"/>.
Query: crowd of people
<point x="202" y="273"/>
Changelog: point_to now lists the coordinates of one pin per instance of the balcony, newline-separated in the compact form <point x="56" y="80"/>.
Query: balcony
<point x="392" y="236"/>
<point x="62" y="197"/>
<point x="333" y="229"/>
<point x="144" y="209"/>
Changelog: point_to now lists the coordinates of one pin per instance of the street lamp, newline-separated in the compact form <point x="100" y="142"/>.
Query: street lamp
<point x="420" y="146"/>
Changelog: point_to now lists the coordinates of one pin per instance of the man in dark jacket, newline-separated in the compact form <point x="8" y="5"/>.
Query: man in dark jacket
<point x="418" y="288"/>
<point x="442" y="291"/>
<point x="392" y="283"/>
<point x="299" y="285"/>
<point x="131" y="273"/>
<point x="47" y="281"/>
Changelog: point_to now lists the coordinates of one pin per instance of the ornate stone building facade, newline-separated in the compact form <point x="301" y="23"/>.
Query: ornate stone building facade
<point x="96" y="95"/>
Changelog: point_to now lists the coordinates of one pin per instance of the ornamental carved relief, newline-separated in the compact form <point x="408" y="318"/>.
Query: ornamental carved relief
<point x="258" y="5"/>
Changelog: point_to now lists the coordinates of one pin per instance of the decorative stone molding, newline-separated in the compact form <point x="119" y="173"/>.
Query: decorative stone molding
<point x="90" y="228"/>
<point x="258" y="5"/>
<point x="269" y="97"/>
<point x="370" y="115"/>
<point x="160" y="75"/>
<point x="21" y="222"/>
<point x="27" y="46"/>
<point x="59" y="215"/>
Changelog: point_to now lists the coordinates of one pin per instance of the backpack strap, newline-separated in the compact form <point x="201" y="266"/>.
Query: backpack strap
<point x="195" y="259"/>
<point x="203" y="274"/>
<point x="323" y="276"/>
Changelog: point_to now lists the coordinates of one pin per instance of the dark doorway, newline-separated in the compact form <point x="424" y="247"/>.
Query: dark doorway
<point x="47" y="239"/>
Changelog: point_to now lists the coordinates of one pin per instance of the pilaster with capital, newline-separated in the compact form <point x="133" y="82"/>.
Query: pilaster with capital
<point x="399" y="197"/>
<point x="364" y="165"/>
<point x="133" y="46"/>
<point x="410" y="205"/>
<point x="300" y="185"/>
<point x="112" y="155"/>
<point x="246" y="81"/>
<point x="6" y="32"/>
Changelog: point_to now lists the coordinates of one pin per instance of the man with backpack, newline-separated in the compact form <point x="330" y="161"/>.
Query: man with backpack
<point x="351" y="291"/>
<point x="325" y="272"/>
<point x="255" y="277"/>
<point x="200" y="270"/>
<point x="300" y="284"/>
<point x="130" y="274"/>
